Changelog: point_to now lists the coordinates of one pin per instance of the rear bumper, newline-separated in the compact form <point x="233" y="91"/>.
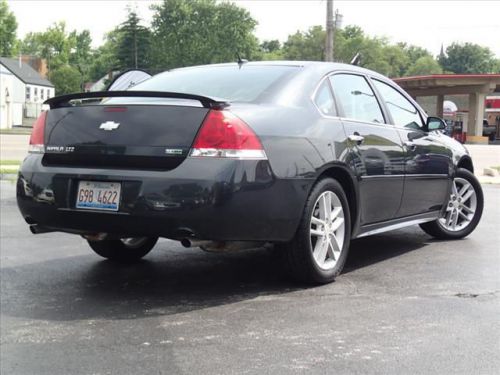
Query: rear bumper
<point x="212" y="199"/>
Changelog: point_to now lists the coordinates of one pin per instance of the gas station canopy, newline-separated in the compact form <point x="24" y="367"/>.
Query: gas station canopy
<point x="477" y="86"/>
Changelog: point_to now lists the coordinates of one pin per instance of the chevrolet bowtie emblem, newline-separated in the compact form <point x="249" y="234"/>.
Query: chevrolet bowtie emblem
<point x="109" y="125"/>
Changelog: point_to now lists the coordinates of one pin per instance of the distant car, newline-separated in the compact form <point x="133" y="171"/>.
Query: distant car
<point x="302" y="155"/>
<point x="489" y="130"/>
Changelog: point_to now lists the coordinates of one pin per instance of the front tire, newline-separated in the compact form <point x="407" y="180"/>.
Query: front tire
<point x="124" y="250"/>
<point x="463" y="209"/>
<point x="318" y="251"/>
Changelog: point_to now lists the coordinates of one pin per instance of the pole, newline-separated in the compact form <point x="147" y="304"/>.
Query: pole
<point x="135" y="48"/>
<point x="329" y="31"/>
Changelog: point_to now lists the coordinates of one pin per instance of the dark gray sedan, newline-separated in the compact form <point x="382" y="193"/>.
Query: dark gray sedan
<point x="302" y="155"/>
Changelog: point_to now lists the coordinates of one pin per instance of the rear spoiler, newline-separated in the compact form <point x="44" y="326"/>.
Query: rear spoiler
<point x="63" y="100"/>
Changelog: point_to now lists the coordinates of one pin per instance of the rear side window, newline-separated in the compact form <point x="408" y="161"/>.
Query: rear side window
<point x="324" y="100"/>
<point x="404" y="114"/>
<point x="356" y="98"/>
<point x="230" y="82"/>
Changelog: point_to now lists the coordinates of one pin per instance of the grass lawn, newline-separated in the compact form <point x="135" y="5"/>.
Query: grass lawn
<point x="9" y="166"/>
<point x="10" y="162"/>
<point x="23" y="131"/>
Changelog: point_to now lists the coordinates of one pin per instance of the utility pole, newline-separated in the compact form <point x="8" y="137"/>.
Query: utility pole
<point x="329" y="31"/>
<point x="135" y="49"/>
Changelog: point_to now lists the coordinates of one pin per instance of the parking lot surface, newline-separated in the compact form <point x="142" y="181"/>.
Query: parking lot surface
<point x="405" y="304"/>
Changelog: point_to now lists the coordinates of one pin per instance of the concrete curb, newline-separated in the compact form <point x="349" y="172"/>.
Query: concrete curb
<point x="8" y="176"/>
<point x="488" y="179"/>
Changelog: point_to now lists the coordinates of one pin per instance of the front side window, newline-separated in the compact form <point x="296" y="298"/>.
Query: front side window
<point x="404" y="114"/>
<point x="356" y="98"/>
<point x="324" y="100"/>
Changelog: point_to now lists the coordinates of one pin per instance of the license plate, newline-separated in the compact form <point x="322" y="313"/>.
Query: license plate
<point x="95" y="195"/>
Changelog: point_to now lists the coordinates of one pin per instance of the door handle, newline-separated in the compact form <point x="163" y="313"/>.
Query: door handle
<point x="410" y="145"/>
<point x="356" y="138"/>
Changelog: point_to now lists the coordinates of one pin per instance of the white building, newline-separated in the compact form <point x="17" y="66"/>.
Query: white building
<point x="22" y="92"/>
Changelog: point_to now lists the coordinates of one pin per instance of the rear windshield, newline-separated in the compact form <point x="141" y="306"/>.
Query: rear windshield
<point x="231" y="83"/>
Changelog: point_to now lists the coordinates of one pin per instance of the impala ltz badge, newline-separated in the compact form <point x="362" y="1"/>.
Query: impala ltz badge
<point x="109" y="125"/>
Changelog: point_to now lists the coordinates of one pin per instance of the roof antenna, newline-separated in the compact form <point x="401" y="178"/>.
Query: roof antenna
<point x="241" y="61"/>
<point x="356" y="59"/>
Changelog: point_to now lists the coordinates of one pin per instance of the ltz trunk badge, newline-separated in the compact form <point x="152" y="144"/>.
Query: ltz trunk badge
<point x="109" y="125"/>
<point x="173" y="151"/>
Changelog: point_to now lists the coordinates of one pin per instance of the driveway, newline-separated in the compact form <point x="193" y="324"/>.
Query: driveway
<point x="406" y="304"/>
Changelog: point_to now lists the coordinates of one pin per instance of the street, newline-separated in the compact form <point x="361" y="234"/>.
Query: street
<point x="13" y="146"/>
<point x="404" y="304"/>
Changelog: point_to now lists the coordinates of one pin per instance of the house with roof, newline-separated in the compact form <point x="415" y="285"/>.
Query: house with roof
<point x="22" y="92"/>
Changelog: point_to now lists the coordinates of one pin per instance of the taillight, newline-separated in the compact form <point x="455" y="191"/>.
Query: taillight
<point x="223" y="135"/>
<point x="37" y="135"/>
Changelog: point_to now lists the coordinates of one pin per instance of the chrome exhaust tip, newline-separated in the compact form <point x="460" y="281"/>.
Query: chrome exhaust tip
<point x="37" y="229"/>
<point x="95" y="236"/>
<point x="186" y="242"/>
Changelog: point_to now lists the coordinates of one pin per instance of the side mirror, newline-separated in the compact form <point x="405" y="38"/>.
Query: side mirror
<point x="435" y="123"/>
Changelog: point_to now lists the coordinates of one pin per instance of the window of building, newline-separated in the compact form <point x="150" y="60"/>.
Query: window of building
<point x="35" y="94"/>
<point x="356" y="98"/>
<point x="42" y="94"/>
<point x="404" y="114"/>
<point x="28" y="93"/>
<point x="324" y="100"/>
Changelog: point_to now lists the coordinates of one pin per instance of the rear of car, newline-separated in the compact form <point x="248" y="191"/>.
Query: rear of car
<point x="168" y="159"/>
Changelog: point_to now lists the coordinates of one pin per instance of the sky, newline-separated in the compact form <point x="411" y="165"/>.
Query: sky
<point x="425" y="23"/>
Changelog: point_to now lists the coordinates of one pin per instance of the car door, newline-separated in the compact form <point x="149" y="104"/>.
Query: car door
<point x="428" y="162"/>
<point x="376" y="149"/>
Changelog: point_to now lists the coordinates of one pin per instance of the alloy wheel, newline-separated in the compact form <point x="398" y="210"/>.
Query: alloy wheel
<point x="327" y="230"/>
<point x="461" y="207"/>
<point x="134" y="242"/>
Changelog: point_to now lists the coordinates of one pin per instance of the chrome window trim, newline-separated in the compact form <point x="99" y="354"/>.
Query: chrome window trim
<point x="349" y="119"/>
<point x="313" y="96"/>
<point x="368" y="78"/>
<point x="399" y="90"/>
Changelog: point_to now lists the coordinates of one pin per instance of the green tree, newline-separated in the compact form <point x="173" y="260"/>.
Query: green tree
<point x="397" y="60"/>
<point x="414" y="52"/>
<point x="133" y="48"/>
<point x="8" y="28"/>
<point x="348" y="42"/>
<point x="66" y="80"/>
<point x="423" y="66"/>
<point x="201" y="32"/>
<point x="467" y="58"/>
<point x="308" y="45"/>
<point x="104" y="58"/>
<point x="270" y="45"/>
<point x="496" y="66"/>
<point x="54" y="45"/>
<point x="69" y="55"/>
<point x="81" y="55"/>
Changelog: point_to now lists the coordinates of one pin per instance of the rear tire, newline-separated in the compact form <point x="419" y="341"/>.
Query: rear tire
<point x="464" y="209"/>
<point x="318" y="251"/>
<point x="125" y="250"/>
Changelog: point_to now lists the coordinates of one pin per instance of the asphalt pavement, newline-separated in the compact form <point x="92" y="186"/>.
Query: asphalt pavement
<point x="405" y="304"/>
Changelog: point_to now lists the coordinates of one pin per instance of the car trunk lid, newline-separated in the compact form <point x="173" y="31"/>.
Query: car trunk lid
<point x="134" y="135"/>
